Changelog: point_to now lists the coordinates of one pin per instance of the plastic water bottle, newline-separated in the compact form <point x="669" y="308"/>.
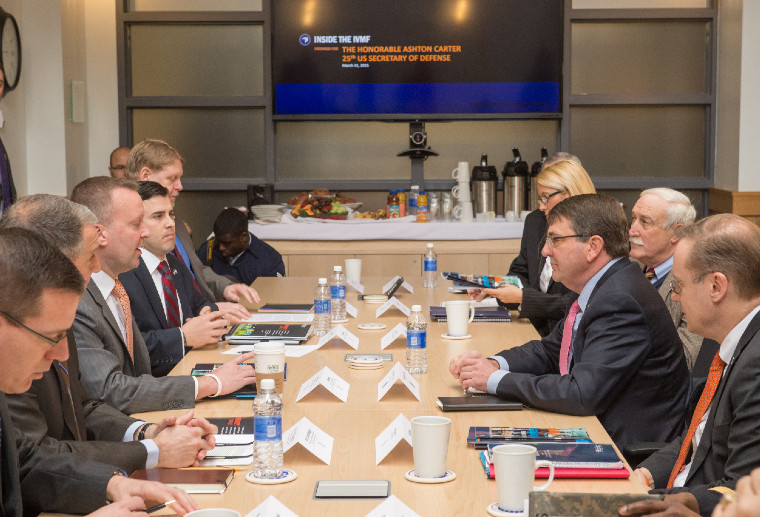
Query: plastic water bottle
<point x="267" y="432"/>
<point x="338" y="294"/>
<point x="412" y="200"/>
<point x="322" y="311"/>
<point x="416" y="341"/>
<point x="430" y="273"/>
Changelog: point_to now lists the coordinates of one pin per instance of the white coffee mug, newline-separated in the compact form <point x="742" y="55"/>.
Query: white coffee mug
<point x="459" y="314"/>
<point x="510" y="216"/>
<point x="430" y="445"/>
<point x="353" y="269"/>
<point x="462" y="172"/>
<point x="463" y="212"/>
<point x="461" y="191"/>
<point x="516" y="466"/>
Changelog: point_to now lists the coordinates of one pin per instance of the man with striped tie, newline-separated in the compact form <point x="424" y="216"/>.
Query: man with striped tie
<point x="716" y="278"/>
<point x="170" y="312"/>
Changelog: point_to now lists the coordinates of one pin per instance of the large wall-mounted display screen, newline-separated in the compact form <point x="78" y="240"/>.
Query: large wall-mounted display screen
<point x="416" y="57"/>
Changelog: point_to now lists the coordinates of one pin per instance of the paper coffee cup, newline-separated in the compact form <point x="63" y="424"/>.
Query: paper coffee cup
<point x="270" y="364"/>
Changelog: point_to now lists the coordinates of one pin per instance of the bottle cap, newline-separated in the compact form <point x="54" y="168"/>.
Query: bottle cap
<point x="416" y="308"/>
<point x="430" y="245"/>
<point x="337" y="268"/>
<point x="322" y="281"/>
<point x="267" y="384"/>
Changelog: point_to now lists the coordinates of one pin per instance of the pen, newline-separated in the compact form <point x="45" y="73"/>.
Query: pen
<point x="159" y="506"/>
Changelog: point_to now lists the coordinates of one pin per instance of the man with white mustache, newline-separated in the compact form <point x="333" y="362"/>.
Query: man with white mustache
<point x="656" y="216"/>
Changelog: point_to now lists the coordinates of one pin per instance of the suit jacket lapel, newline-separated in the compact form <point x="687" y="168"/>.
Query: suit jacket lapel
<point x="701" y="452"/>
<point x="92" y="288"/>
<point x="184" y="297"/>
<point x="150" y="290"/>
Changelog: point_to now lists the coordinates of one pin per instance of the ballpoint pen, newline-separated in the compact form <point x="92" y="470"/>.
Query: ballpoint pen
<point x="158" y="506"/>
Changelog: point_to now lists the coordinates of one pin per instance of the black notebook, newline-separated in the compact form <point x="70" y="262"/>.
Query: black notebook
<point x="478" y="403"/>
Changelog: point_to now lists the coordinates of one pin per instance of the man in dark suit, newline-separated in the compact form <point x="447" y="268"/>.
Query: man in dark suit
<point x="155" y="160"/>
<point x="56" y="412"/>
<point x="114" y="357"/>
<point x="171" y="314"/>
<point x="238" y="254"/>
<point x="37" y="305"/>
<point x="716" y="270"/>
<point x="617" y="351"/>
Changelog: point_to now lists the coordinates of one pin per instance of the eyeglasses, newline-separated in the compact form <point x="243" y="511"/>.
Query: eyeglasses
<point x="52" y="342"/>
<point x="553" y="240"/>
<point x="676" y="286"/>
<point x="545" y="199"/>
<point x="119" y="167"/>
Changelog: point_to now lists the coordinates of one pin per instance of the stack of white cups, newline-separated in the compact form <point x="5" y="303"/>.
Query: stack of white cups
<point x="461" y="192"/>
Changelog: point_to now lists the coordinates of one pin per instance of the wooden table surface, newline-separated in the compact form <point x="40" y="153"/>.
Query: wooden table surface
<point x="355" y="424"/>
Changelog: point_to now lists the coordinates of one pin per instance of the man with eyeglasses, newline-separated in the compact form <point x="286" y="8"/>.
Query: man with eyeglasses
<point x="656" y="217"/>
<point x="617" y="352"/>
<point x="37" y="306"/>
<point x="57" y="413"/>
<point x="716" y="278"/>
<point x="118" y="167"/>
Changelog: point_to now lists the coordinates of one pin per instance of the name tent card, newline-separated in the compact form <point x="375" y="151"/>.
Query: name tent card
<point x="399" y="429"/>
<point x="314" y="439"/>
<point x="299" y="350"/>
<point x="398" y="372"/>
<point x="356" y="285"/>
<point x="327" y="378"/>
<point x="392" y="507"/>
<point x="393" y="302"/>
<point x="351" y="310"/>
<point x="271" y="507"/>
<point x="390" y="284"/>
<point x="396" y="332"/>
<point x="341" y="332"/>
<point x="406" y="285"/>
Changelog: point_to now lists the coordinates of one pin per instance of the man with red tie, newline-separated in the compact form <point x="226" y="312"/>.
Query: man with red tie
<point x="170" y="313"/>
<point x="716" y="270"/>
<point x="616" y="354"/>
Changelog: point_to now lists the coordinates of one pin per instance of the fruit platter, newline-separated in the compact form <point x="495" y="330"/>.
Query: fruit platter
<point x="321" y="208"/>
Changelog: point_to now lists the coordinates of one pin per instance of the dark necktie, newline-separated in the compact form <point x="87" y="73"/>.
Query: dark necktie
<point x="5" y="178"/>
<point x="170" y="296"/>
<point x="67" y="380"/>
<point x="649" y="273"/>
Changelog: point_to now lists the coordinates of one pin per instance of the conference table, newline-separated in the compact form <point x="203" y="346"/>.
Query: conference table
<point x="355" y="424"/>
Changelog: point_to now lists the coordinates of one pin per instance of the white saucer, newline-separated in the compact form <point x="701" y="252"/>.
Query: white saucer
<point x="366" y="359"/>
<point x="446" y="335"/>
<point x="375" y="298"/>
<point x="365" y="367"/>
<point x="412" y="476"/>
<point x="286" y="477"/>
<point x="493" y="509"/>
<point x="371" y="326"/>
<point x="340" y="321"/>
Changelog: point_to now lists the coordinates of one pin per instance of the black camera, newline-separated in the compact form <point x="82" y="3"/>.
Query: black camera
<point x="417" y="135"/>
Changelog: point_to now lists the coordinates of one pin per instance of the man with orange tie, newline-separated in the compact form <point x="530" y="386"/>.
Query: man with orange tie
<point x="113" y="357"/>
<point x="170" y="313"/>
<point x="716" y="270"/>
<point x="617" y="352"/>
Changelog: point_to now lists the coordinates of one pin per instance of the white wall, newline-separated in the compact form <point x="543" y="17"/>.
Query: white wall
<point x="749" y="121"/>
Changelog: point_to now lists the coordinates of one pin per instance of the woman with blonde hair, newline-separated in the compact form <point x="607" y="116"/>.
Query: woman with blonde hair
<point x="541" y="300"/>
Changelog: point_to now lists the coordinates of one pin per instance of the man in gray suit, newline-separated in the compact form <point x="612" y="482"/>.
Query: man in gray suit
<point x="56" y="412"/>
<point x="716" y="271"/>
<point x="155" y="160"/>
<point x="114" y="358"/>
<point x="37" y="305"/>
<point x="657" y="214"/>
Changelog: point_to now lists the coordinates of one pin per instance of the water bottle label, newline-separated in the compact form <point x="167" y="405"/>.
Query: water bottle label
<point x="431" y="265"/>
<point x="267" y="428"/>
<point x="321" y="306"/>
<point x="338" y="292"/>
<point x="416" y="339"/>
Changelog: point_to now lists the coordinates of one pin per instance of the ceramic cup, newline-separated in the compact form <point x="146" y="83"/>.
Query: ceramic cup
<point x="270" y="364"/>
<point x="459" y="314"/>
<point x="462" y="172"/>
<point x="461" y="191"/>
<point x="353" y="269"/>
<point x="510" y="216"/>
<point x="515" y="466"/>
<point x="463" y="212"/>
<point x="430" y="445"/>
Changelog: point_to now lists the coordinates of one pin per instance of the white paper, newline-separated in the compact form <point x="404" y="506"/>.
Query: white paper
<point x="393" y="335"/>
<point x="406" y="285"/>
<point x="343" y="334"/>
<point x="399" y="429"/>
<point x="392" y="507"/>
<point x="242" y="349"/>
<point x="299" y="350"/>
<point x="398" y="372"/>
<point x="316" y="441"/>
<point x="224" y="455"/>
<point x="330" y="380"/>
<point x="393" y="302"/>
<point x="278" y="317"/>
<point x="485" y="302"/>
<point x="271" y="507"/>
<point x="351" y="310"/>
<point x="390" y="283"/>
<point x="356" y="285"/>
